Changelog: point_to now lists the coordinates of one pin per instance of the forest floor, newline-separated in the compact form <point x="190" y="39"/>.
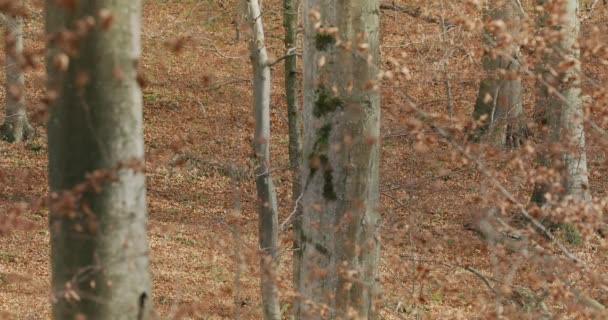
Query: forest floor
<point x="202" y="211"/>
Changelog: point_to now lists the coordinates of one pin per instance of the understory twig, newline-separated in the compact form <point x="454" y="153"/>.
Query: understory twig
<point x="482" y="277"/>
<point x="415" y="12"/>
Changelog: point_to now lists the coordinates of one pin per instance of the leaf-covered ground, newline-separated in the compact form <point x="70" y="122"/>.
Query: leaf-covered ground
<point x="201" y="194"/>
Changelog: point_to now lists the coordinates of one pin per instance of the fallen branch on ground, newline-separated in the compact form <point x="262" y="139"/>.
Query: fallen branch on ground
<point x="416" y="12"/>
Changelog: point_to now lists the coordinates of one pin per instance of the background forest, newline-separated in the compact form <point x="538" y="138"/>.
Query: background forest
<point x="491" y="199"/>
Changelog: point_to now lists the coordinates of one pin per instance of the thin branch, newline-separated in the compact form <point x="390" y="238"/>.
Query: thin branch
<point x="416" y="184"/>
<point x="446" y="64"/>
<point x="290" y="53"/>
<point x="415" y="12"/>
<point x="482" y="277"/>
<point x="291" y="217"/>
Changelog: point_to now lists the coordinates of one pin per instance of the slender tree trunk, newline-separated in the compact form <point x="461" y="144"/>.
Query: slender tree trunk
<point x="290" y="23"/>
<point x="560" y="115"/>
<point x="499" y="97"/>
<point x="99" y="251"/>
<point x="339" y="276"/>
<point x="268" y="221"/>
<point x="16" y="127"/>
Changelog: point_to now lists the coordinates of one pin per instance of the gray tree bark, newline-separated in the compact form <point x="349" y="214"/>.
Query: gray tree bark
<point x="339" y="276"/>
<point x="559" y="108"/>
<point x="99" y="251"/>
<point x="268" y="213"/>
<point x="499" y="96"/>
<point x="16" y="126"/>
<point x="290" y="24"/>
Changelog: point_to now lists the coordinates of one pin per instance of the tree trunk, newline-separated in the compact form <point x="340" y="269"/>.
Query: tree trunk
<point x="339" y="276"/>
<point x="290" y="23"/>
<point x="560" y="115"/>
<point x="16" y="127"/>
<point x="268" y="221"/>
<point x="499" y="97"/>
<point x="99" y="251"/>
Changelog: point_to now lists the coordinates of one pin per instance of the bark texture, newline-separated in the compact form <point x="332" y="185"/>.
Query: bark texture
<point x="99" y="251"/>
<point x="290" y="24"/>
<point x="499" y="96"/>
<point x="268" y="220"/>
<point x="559" y="107"/>
<point x="340" y="227"/>
<point x="16" y="126"/>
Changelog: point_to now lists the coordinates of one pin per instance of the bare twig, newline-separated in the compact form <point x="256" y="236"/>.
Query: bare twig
<point x="291" y="217"/>
<point x="415" y="12"/>
<point x="290" y="53"/>
<point x="237" y="246"/>
<point x="416" y="184"/>
<point x="482" y="277"/>
<point x="446" y="65"/>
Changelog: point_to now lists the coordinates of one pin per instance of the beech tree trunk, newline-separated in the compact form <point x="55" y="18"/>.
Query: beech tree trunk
<point x="16" y="127"/>
<point x="290" y="24"/>
<point x="268" y="213"/>
<point x="499" y="97"/>
<point x="560" y="115"/>
<point x="99" y="251"/>
<point x="339" y="276"/>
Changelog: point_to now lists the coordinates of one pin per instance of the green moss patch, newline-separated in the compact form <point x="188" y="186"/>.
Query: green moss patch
<point x="324" y="41"/>
<point x="325" y="102"/>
